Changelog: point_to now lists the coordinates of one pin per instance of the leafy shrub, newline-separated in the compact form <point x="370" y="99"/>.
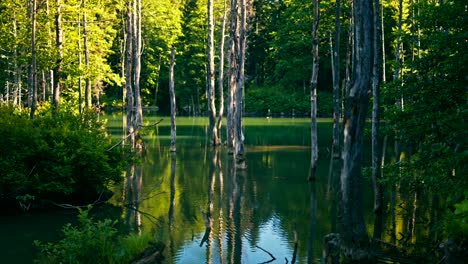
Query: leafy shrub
<point x="92" y="242"/>
<point x="56" y="156"/>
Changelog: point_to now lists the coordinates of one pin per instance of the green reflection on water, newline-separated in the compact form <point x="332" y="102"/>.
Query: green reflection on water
<point x="196" y="194"/>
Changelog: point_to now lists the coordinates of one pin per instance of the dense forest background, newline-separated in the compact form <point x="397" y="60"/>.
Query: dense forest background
<point x="80" y="46"/>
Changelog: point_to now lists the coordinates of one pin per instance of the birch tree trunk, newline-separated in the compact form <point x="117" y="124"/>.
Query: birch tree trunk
<point x="80" y="78"/>
<point x="313" y="92"/>
<point x="336" y="83"/>
<point x="58" y="68"/>
<point x="232" y="79"/>
<point x="17" y="88"/>
<point x="355" y="232"/>
<point x="128" y="75"/>
<point x="240" y="158"/>
<point x="33" y="69"/>
<point x="221" y="73"/>
<point x="376" y="176"/>
<point x="173" y="100"/>
<point x="137" y="61"/>
<point x="210" y="88"/>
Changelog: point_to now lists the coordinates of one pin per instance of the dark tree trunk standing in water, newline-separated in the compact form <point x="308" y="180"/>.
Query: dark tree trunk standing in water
<point x="313" y="92"/>
<point x="210" y="88"/>
<point x="221" y="74"/>
<point x="354" y="227"/>
<point x="376" y="176"/>
<point x="173" y="100"/>
<point x="232" y="78"/>
<point x="88" y="99"/>
<point x="58" y="69"/>
<point x="128" y="74"/>
<point x="137" y="46"/>
<point x="239" y="128"/>
<point x="336" y="83"/>
<point x="33" y="69"/>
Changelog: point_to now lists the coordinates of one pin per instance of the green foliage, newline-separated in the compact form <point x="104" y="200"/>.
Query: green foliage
<point x="92" y="242"/>
<point x="457" y="221"/>
<point x="55" y="156"/>
<point x="259" y="100"/>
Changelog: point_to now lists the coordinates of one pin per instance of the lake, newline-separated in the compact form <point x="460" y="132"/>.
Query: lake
<point x="205" y="210"/>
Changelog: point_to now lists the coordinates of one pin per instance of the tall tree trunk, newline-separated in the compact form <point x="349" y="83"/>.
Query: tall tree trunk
<point x="173" y="100"/>
<point x="313" y="92"/>
<point x="232" y="79"/>
<point x="336" y="83"/>
<point x="128" y="75"/>
<point x="398" y="49"/>
<point x="80" y="78"/>
<point x="17" y="79"/>
<point x="376" y="176"/>
<point x="239" y="128"/>
<point x="210" y="88"/>
<point x="137" y="49"/>
<point x="221" y="73"/>
<point x="88" y="99"/>
<point x="33" y="69"/>
<point x="58" y="68"/>
<point x="382" y="28"/>
<point x="355" y="234"/>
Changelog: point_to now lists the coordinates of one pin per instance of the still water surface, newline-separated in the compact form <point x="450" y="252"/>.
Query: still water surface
<point x="205" y="210"/>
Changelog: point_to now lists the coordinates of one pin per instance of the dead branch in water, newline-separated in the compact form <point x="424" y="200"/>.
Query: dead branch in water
<point x="136" y="130"/>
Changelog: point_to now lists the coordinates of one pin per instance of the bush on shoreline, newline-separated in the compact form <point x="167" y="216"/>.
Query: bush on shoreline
<point x="59" y="157"/>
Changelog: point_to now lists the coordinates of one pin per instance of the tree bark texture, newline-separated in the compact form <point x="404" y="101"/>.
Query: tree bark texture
<point x="210" y="88"/>
<point x="128" y="74"/>
<point x="313" y="92"/>
<point x="354" y="227"/>
<point x="173" y="100"/>
<point x="376" y="176"/>
<point x="137" y="49"/>
<point x="33" y="69"/>
<point x="336" y="83"/>
<point x="232" y="79"/>
<point x="239" y="128"/>
<point x="58" y="68"/>
<point x="88" y="100"/>
<point x="221" y="73"/>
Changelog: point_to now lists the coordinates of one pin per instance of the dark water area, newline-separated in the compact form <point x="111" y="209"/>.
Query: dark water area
<point x="204" y="209"/>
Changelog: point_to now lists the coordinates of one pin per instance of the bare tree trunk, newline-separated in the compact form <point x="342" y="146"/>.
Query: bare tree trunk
<point x="355" y="233"/>
<point x="210" y="88"/>
<point x="221" y="73"/>
<point x="17" y="80"/>
<point x="232" y="79"/>
<point x="88" y="99"/>
<point x="376" y="175"/>
<point x="384" y="76"/>
<point x="128" y="75"/>
<point x="240" y="158"/>
<point x="137" y="49"/>
<point x="80" y="78"/>
<point x="397" y="51"/>
<point x="313" y="92"/>
<point x="173" y="100"/>
<point x="33" y="69"/>
<point x="58" y="68"/>
<point x="336" y="83"/>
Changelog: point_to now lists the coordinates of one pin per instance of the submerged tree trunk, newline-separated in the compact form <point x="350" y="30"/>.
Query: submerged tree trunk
<point x="58" y="68"/>
<point x="376" y="171"/>
<point x="137" y="46"/>
<point x="336" y="83"/>
<point x="210" y="88"/>
<point x="173" y="100"/>
<point x="232" y="79"/>
<point x="354" y="227"/>
<point x="239" y="128"/>
<point x="221" y="74"/>
<point x="128" y="75"/>
<point x="313" y="92"/>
